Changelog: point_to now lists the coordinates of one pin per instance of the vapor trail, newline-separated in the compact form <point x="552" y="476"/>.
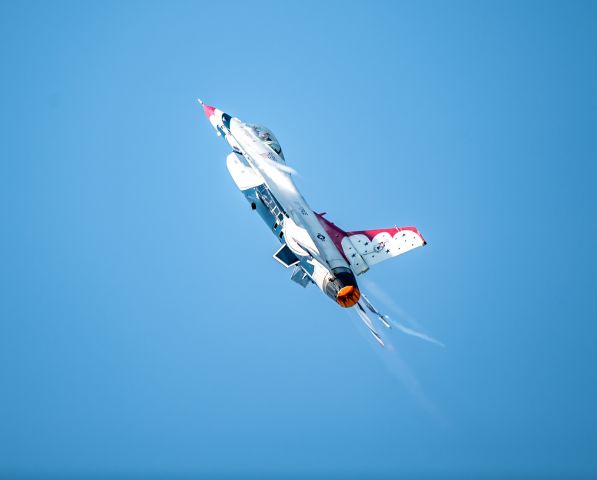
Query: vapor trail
<point x="401" y="371"/>
<point x="414" y="333"/>
<point x="414" y="329"/>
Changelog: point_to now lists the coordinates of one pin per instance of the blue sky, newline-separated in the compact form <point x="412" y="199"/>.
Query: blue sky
<point x="144" y="326"/>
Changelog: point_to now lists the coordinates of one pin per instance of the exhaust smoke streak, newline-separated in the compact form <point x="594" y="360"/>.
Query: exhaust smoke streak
<point x="414" y="329"/>
<point x="400" y="370"/>
<point x="414" y="333"/>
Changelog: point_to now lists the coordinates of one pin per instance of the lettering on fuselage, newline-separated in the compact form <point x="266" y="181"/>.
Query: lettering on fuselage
<point x="271" y="156"/>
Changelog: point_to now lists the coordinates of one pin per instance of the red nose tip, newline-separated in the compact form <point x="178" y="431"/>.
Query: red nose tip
<point x="209" y="111"/>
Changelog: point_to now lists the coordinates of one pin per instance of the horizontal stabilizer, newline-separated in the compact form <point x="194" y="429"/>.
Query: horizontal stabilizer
<point x="382" y="318"/>
<point x="367" y="321"/>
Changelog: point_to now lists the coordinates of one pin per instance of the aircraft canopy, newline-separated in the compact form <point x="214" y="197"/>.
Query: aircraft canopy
<point x="268" y="137"/>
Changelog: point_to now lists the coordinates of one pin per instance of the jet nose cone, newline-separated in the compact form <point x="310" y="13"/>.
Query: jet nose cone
<point x="209" y="111"/>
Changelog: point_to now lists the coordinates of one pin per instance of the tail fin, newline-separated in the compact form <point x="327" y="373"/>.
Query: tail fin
<point x="364" y="248"/>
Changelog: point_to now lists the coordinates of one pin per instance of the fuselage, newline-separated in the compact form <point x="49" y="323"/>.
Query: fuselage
<point x="258" y="168"/>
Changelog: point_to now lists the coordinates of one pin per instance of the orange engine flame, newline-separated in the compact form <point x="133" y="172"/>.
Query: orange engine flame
<point x="348" y="296"/>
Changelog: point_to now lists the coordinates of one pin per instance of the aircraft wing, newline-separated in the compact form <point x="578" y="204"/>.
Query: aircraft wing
<point x="375" y="246"/>
<point x="364" y="248"/>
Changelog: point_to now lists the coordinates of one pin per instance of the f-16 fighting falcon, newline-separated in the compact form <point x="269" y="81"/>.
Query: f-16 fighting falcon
<point x="316" y="249"/>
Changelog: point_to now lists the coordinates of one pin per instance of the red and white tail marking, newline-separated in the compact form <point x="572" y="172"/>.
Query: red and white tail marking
<point x="364" y="248"/>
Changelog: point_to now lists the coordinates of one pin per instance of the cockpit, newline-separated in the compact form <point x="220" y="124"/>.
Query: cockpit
<point x="268" y="137"/>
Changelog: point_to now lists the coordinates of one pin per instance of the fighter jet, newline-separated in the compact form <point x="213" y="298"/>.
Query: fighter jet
<point x="317" y="250"/>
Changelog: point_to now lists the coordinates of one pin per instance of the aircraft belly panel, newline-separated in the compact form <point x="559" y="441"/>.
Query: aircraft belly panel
<point x="271" y="219"/>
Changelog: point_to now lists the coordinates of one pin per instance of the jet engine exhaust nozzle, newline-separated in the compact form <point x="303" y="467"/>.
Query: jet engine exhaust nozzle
<point x="348" y="296"/>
